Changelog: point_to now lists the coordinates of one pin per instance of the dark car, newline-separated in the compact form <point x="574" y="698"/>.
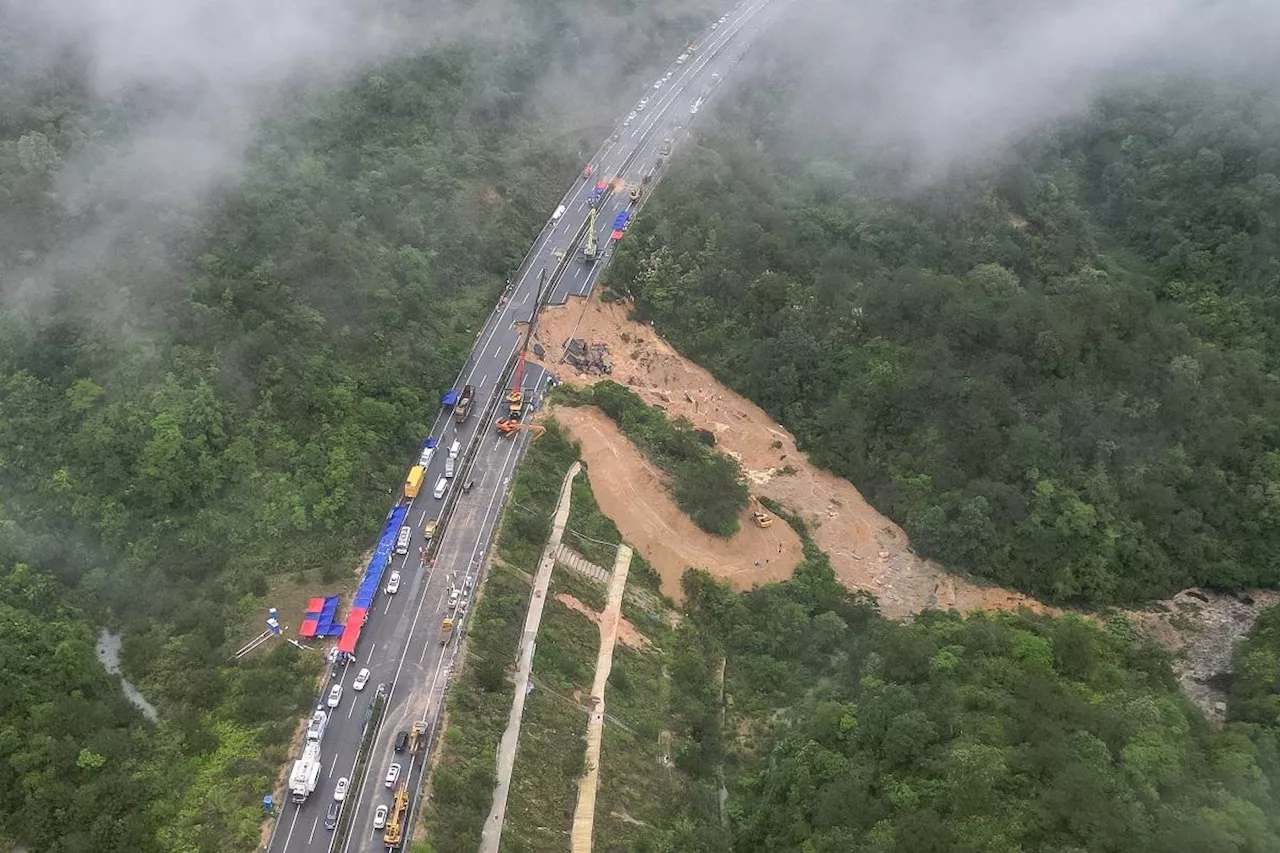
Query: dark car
<point x="331" y="817"/>
<point x="402" y="740"/>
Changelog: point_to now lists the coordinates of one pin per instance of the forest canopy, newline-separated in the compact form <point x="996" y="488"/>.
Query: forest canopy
<point x="1058" y="373"/>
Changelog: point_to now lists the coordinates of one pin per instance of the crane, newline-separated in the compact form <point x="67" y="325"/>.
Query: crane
<point x="515" y="399"/>
<point x="512" y="427"/>
<point x="589" y="250"/>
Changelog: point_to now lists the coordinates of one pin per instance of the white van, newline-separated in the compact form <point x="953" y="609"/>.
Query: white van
<point x="555" y="217"/>
<point x="448" y="466"/>
<point x="441" y="485"/>
<point x="425" y="458"/>
<point x="681" y="58"/>
<point x="402" y="542"/>
<point x="455" y="449"/>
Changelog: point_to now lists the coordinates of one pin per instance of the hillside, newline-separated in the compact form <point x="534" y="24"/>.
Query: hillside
<point x="1056" y="372"/>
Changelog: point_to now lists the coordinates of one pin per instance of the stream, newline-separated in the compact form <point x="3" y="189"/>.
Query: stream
<point x="109" y="654"/>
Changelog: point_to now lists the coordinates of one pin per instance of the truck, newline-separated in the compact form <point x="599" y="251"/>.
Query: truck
<point x="446" y="630"/>
<point x="414" y="483"/>
<point x="417" y="736"/>
<point x="394" y="834"/>
<point x="462" y="408"/>
<point x="315" y="728"/>
<point x="306" y="773"/>
<point x="449" y="466"/>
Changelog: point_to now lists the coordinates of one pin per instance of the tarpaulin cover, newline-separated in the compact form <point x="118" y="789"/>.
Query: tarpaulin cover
<point x="308" y="628"/>
<point x="450" y="397"/>
<point x="351" y="635"/>
<point x="368" y="589"/>
<point x="620" y="221"/>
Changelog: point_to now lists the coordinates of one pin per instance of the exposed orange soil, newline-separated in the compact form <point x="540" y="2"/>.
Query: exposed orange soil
<point x="627" y="632"/>
<point x="868" y="551"/>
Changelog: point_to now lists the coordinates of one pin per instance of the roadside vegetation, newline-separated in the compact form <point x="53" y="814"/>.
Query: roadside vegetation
<point x="705" y="483"/>
<point x="1057" y="373"/>
<point x="282" y="358"/>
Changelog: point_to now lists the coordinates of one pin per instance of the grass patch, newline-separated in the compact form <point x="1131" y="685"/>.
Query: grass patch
<point x="589" y="592"/>
<point x="552" y="751"/>
<point x="706" y="484"/>
<point x="589" y="531"/>
<point x="526" y="522"/>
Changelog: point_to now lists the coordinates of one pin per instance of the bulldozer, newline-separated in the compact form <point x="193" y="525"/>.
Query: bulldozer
<point x="635" y="194"/>
<point x="758" y="514"/>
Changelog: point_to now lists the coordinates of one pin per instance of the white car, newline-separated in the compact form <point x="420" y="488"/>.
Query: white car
<point x="380" y="817"/>
<point x="393" y="583"/>
<point x="716" y="25"/>
<point x="626" y="122"/>
<point x="658" y="85"/>
<point x="393" y="773"/>
<point x="362" y="678"/>
<point x="644" y="102"/>
<point x="340" y="790"/>
<point x="666" y="76"/>
<point x="335" y="696"/>
<point x="454" y="595"/>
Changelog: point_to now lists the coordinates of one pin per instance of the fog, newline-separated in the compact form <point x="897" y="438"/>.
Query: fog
<point x="187" y="83"/>
<point x="947" y="85"/>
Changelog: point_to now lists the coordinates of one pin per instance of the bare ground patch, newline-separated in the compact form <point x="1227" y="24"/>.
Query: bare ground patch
<point x="627" y="632"/>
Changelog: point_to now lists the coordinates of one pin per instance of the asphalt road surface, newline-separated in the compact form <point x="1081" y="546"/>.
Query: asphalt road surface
<point x="402" y="642"/>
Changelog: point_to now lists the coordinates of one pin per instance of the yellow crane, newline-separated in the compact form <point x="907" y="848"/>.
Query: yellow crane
<point x="762" y="518"/>
<point x="395" y="826"/>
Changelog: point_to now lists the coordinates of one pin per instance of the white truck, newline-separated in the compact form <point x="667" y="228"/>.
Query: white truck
<point x="315" y="728"/>
<point x="306" y="773"/>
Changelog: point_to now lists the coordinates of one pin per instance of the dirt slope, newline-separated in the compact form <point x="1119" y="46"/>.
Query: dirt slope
<point x="868" y="551"/>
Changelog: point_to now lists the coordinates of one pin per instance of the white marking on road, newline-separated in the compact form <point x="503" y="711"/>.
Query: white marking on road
<point x="485" y="379"/>
<point x="333" y="767"/>
<point x="292" y="824"/>
<point x="423" y="520"/>
<point x="497" y="349"/>
<point x="315" y="823"/>
<point x="405" y="560"/>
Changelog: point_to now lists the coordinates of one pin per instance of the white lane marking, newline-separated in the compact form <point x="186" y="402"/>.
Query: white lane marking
<point x="333" y="767"/>
<point x="496" y="349"/>
<point x="315" y="823"/>
<point x="423" y="520"/>
<point x="485" y="379"/>
<point x="292" y="824"/>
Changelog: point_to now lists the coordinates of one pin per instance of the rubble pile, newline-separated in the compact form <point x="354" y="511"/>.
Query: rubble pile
<point x="588" y="358"/>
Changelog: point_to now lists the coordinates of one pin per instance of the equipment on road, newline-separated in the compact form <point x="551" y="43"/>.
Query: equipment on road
<point x="515" y="399"/>
<point x="418" y="736"/>
<point x="462" y="408"/>
<point x="512" y="427"/>
<point x="306" y="773"/>
<point x="635" y="194"/>
<point x="589" y="247"/>
<point x="414" y="483"/>
<point x="761" y="518"/>
<point x="446" y="630"/>
<point x="395" y="826"/>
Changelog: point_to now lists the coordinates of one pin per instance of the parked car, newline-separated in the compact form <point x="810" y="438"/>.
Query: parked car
<point x="380" y="817"/>
<point x="362" y="678"/>
<point x="335" y="696"/>
<point x="340" y="789"/>
<point x="331" y="816"/>
<point x="393" y="583"/>
<point x="402" y="740"/>
<point x="393" y="773"/>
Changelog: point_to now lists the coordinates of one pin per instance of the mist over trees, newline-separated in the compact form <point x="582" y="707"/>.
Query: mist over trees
<point x="208" y="382"/>
<point x="1057" y="372"/>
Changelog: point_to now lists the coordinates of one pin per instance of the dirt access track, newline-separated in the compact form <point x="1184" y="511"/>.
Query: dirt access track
<point x="868" y="551"/>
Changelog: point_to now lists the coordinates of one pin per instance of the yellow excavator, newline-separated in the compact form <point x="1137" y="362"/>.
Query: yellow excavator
<point x="512" y="427"/>
<point x="762" y="518"/>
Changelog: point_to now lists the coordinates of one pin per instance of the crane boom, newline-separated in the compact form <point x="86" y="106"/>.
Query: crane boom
<point x="515" y="399"/>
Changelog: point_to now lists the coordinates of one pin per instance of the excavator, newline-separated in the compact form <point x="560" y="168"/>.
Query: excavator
<point x="758" y="514"/>
<point x="509" y="424"/>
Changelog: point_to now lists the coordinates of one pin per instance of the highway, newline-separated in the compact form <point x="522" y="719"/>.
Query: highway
<point x="402" y="642"/>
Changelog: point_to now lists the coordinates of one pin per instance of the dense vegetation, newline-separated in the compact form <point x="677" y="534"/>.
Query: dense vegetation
<point x="208" y="423"/>
<point x="1059" y="374"/>
<point x="842" y="731"/>
<point x="705" y="483"/>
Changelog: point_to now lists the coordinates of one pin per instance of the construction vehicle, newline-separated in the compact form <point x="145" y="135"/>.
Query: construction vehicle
<point x="512" y="427"/>
<point x="589" y="247"/>
<point x="635" y="194"/>
<point x="418" y="736"/>
<point x="306" y="773"/>
<point x="758" y="514"/>
<point x="462" y="408"/>
<point x="515" y="398"/>
<point x="394" y="834"/>
<point x="414" y="483"/>
<point x="446" y="630"/>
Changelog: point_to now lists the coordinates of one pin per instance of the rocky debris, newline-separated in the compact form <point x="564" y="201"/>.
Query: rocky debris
<point x="1201" y="629"/>
<point x="588" y="358"/>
